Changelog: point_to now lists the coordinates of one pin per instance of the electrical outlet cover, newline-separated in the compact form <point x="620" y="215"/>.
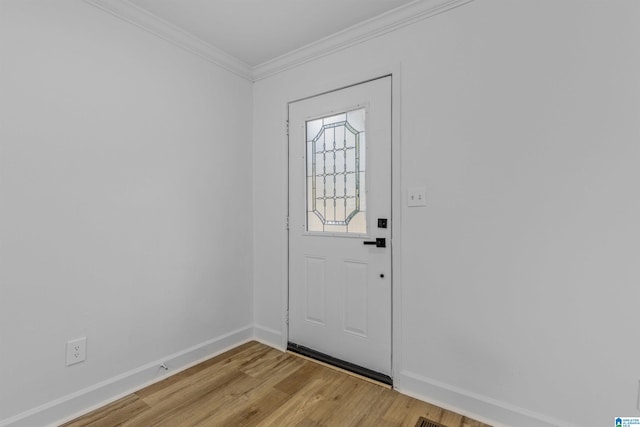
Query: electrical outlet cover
<point x="76" y="351"/>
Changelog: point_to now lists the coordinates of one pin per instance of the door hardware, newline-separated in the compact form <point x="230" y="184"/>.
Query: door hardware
<point x="380" y="242"/>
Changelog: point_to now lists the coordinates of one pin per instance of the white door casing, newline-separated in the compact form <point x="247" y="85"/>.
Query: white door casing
<point x="340" y="288"/>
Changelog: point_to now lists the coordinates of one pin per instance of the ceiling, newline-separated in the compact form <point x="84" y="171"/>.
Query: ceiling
<point x="256" y="31"/>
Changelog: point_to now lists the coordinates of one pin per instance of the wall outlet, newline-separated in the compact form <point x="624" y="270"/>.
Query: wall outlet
<point x="76" y="351"/>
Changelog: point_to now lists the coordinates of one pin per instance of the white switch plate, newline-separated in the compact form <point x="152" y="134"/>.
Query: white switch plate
<point x="417" y="196"/>
<point x="76" y="351"/>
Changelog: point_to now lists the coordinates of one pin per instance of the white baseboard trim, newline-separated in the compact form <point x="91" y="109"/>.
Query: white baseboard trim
<point x="481" y="408"/>
<point x="83" y="401"/>
<point x="268" y="336"/>
<point x="472" y="405"/>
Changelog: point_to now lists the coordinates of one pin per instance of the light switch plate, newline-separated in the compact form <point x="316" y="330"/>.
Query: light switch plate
<point x="417" y="196"/>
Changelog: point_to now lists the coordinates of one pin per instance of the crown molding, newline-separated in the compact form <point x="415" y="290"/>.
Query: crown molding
<point x="155" y="25"/>
<point x="356" y="34"/>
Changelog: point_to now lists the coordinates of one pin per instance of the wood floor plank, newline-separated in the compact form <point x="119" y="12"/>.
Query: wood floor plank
<point x="427" y="410"/>
<point x="375" y="415"/>
<point x="332" y="397"/>
<point x="406" y="411"/>
<point x="451" y="419"/>
<point x="468" y="422"/>
<point x="205" y="405"/>
<point x="259" y="365"/>
<point x="225" y="403"/>
<point x="251" y="411"/>
<point x="232" y="413"/>
<point x="353" y="403"/>
<point x="301" y="405"/>
<point x="202" y="401"/>
<point x="255" y="385"/>
<point x="299" y="378"/>
<point x="209" y="379"/>
<point x="213" y="376"/>
<point x="113" y="414"/>
<point x="309" y="423"/>
<point x="228" y="356"/>
<point x="397" y="411"/>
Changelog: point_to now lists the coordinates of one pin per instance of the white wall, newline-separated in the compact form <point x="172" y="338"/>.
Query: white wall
<point x="520" y="278"/>
<point x="125" y="200"/>
<point x="120" y="154"/>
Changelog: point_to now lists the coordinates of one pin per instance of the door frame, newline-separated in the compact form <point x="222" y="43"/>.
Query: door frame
<point x="394" y="72"/>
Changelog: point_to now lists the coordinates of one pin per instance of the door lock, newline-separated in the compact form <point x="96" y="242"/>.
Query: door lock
<point x="380" y="242"/>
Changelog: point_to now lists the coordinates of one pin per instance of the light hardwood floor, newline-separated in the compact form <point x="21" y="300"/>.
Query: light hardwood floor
<point x="255" y="385"/>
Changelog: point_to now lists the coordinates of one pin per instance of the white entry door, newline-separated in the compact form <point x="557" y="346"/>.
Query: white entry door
<point x="340" y="225"/>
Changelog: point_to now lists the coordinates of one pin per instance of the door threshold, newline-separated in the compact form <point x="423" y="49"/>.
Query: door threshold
<point x="341" y="365"/>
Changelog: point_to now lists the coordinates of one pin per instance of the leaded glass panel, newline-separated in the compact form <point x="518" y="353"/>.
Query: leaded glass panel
<point x="336" y="173"/>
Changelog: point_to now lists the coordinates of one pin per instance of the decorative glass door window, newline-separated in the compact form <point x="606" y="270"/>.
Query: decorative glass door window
<point x="336" y="196"/>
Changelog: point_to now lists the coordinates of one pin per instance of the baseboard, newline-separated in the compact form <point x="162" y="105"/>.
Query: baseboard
<point x="472" y="405"/>
<point x="481" y="408"/>
<point x="268" y="336"/>
<point x="85" y="400"/>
